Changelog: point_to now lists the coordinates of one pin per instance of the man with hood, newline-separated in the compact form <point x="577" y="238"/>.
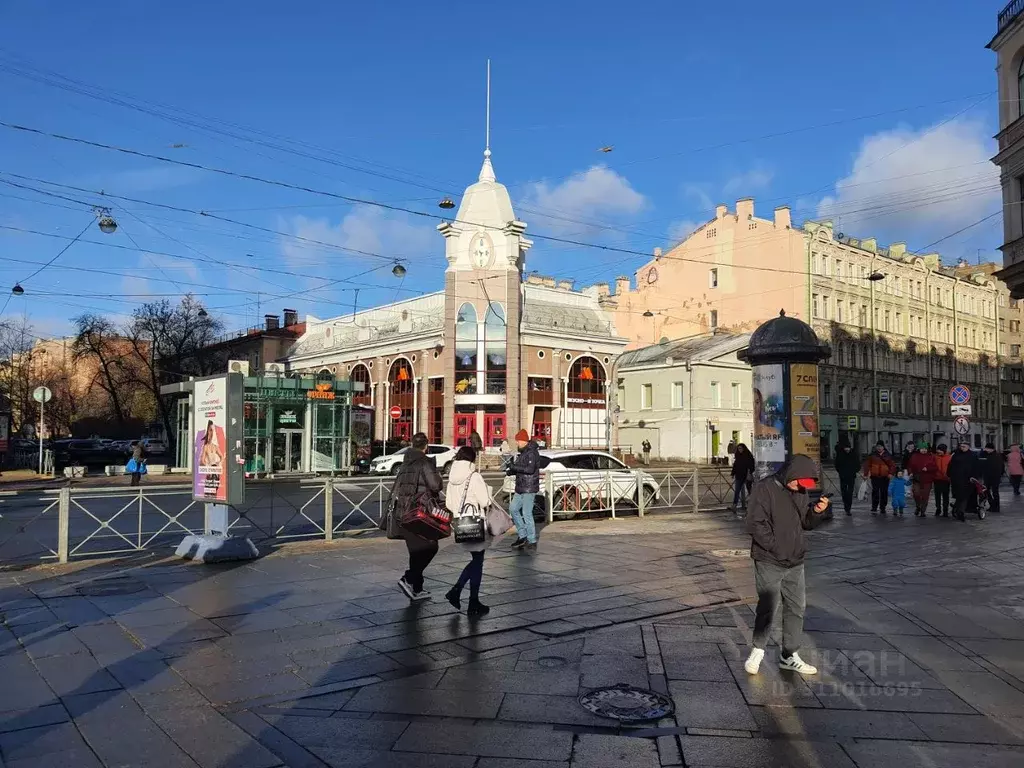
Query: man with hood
<point x="779" y="512"/>
<point x="847" y="467"/>
<point x="963" y="466"/>
<point x="880" y="468"/>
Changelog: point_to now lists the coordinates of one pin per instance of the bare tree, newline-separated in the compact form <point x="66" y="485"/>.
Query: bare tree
<point x="15" y="369"/>
<point x="171" y="343"/>
<point x="97" y="340"/>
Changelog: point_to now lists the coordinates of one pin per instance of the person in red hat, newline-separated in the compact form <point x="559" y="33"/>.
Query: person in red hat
<point x="526" y="468"/>
<point x="778" y="513"/>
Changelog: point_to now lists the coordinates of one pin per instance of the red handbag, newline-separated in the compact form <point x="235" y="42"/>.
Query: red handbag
<point x="426" y="519"/>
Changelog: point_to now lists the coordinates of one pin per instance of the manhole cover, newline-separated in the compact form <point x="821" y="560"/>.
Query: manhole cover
<point x="110" y="587"/>
<point x="551" y="662"/>
<point x="627" y="704"/>
<point x="729" y="552"/>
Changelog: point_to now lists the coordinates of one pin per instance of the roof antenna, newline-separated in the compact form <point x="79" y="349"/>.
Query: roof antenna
<point x="486" y="170"/>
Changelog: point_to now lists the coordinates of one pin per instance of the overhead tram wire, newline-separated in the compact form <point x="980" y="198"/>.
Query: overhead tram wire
<point x="354" y="200"/>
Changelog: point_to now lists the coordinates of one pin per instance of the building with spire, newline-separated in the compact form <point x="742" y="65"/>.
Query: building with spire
<point x="492" y="353"/>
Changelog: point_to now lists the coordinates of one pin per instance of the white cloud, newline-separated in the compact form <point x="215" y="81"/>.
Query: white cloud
<point x="918" y="186"/>
<point x="583" y="201"/>
<point x="153" y="179"/>
<point x="680" y="230"/>
<point x="747" y="183"/>
<point x="365" y="228"/>
<point x="699" y="194"/>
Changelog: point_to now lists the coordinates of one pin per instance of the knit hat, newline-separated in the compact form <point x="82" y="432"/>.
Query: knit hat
<point x="922" y="445"/>
<point x="522" y="436"/>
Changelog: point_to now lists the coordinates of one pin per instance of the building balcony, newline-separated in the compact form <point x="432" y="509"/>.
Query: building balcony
<point x="1013" y="9"/>
<point x="541" y="397"/>
<point x="1012" y="133"/>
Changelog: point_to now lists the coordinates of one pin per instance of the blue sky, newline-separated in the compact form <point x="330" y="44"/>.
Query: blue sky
<point x="876" y="114"/>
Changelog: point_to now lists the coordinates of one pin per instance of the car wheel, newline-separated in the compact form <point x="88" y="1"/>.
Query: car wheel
<point x="566" y="502"/>
<point x="394" y="468"/>
<point x="446" y="468"/>
<point x="650" y="497"/>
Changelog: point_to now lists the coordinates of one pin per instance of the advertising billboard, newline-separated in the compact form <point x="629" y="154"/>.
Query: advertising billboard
<point x="769" y="418"/>
<point x="803" y="404"/>
<point x="218" y="462"/>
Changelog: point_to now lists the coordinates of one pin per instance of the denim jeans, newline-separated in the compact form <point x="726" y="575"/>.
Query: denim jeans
<point x="739" y="493"/>
<point x="784" y="588"/>
<point x="521" y="511"/>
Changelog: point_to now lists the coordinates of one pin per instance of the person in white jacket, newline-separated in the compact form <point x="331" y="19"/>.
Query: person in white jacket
<point x="466" y="486"/>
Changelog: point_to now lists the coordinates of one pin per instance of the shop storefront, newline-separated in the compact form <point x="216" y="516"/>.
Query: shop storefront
<point x="291" y="425"/>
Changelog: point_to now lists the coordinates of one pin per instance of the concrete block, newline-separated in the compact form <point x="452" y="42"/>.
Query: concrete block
<point x="216" y="549"/>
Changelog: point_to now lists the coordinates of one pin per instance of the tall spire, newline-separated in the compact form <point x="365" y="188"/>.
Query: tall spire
<point x="486" y="170"/>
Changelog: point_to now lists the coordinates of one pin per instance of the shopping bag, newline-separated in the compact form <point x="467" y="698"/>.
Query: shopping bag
<point x="426" y="519"/>
<point x="862" y="490"/>
<point x="389" y="522"/>
<point x="499" y="522"/>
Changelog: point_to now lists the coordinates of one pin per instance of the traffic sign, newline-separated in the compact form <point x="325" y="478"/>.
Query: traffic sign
<point x="852" y="423"/>
<point x="961" y="425"/>
<point x="42" y="394"/>
<point x="959" y="395"/>
<point x="396" y="412"/>
<point x="960" y="410"/>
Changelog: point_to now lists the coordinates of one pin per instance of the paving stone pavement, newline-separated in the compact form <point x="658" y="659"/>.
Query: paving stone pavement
<point x="311" y="656"/>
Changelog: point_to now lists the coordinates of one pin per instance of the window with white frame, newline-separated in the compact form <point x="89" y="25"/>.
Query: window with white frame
<point x="815" y="305"/>
<point x="646" y="397"/>
<point x="713" y="278"/>
<point x="716" y="395"/>
<point x="736" y="396"/>
<point x="677" y="394"/>
<point x="841" y="402"/>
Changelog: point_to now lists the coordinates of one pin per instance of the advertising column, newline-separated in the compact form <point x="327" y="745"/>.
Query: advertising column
<point x="218" y="463"/>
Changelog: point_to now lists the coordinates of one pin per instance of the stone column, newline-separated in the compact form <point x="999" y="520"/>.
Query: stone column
<point x="415" y="405"/>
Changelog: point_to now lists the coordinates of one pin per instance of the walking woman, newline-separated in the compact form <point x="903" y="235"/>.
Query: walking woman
<point x="467" y="492"/>
<point x="137" y="463"/>
<point x="742" y="471"/>
<point x="1015" y="468"/>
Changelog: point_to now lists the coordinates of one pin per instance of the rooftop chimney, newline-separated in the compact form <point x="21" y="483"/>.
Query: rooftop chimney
<point x="720" y="211"/>
<point x="621" y="285"/>
<point x="271" y="322"/>
<point x="603" y="289"/>
<point x="565" y="285"/>
<point x="657" y="254"/>
<point x="291" y="317"/>
<point x="898" y="250"/>
<point x="745" y="209"/>
<point x="783" y="218"/>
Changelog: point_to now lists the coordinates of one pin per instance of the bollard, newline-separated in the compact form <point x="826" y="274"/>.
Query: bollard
<point x="696" y="488"/>
<point x="63" y="523"/>
<point x="549" y="492"/>
<point x="329" y="509"/>
<point x="641" y="494"/>
<point x="611" y="491"/>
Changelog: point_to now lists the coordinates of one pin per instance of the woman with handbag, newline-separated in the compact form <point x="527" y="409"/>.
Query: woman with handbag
<point x="468" y="499"/>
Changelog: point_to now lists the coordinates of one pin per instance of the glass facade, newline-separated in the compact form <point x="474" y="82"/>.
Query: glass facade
<point x="292" y="424"/>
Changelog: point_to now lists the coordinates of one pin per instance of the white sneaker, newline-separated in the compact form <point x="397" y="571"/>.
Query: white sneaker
<point x="753" y="662"/>
<point x="795" y="664"/>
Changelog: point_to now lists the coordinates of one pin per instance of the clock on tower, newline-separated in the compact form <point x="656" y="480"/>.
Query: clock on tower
<point x="481" y="250"/>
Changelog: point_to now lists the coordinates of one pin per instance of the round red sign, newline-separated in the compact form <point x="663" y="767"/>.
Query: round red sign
<point x="396" y="412"/>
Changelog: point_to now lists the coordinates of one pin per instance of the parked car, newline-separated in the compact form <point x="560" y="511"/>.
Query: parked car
<point x="582" y="480"/>
<point x="362" y="463"/>
<point x="443" y="456"/>
<point x="86" y="453"/>
<point x="154" y="447"/>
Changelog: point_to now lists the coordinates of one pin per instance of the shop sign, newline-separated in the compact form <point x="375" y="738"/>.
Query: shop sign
<point x="287" y="419"/>
<point x="322" y="391"/>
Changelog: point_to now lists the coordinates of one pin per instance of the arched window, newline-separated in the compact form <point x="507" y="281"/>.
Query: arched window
<point x="494" y="349"/>
<point x="403" y="395"/>
<point x="361" y="375"/>
<point x="583" y="416"/>
<point x="466" y="350"/>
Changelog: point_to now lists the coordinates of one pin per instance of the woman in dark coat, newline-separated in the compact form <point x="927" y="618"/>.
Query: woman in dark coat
<point x="742" y="472"/>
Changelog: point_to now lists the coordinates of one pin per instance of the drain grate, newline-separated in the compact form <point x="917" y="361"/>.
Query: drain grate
<point x="552" y="662"/>
<point x="110" y="587"/>
<point x="627" y="704"/>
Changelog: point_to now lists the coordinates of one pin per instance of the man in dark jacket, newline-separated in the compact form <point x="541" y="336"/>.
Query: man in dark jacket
<point x="526" y="468"/>
<point x="962" y="467"/>
<point x="418" y="475"/>
<point x="990" y="469"/>
<point x="742" y="470"/>
<point x="780" y="510"/>
<point x="847" y="467"/>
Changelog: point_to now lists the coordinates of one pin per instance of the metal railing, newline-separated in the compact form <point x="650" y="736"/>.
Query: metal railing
<point x="77" y="522"/>
<point x="1008" y="14"/>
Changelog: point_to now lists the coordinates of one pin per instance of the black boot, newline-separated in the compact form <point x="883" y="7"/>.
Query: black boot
<point x="454" y="596"/>
<point x="476" y="608"/>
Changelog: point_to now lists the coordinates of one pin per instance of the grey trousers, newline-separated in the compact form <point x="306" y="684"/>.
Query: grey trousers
<point x="776" y="585"/>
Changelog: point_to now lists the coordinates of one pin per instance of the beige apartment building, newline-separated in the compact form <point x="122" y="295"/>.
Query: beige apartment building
<point x="904" y="328"/>
<point x="1008" y="45"/>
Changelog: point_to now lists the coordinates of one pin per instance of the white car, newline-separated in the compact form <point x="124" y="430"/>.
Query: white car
<point x="582" y="480"/>
<point x="443" y="456"/>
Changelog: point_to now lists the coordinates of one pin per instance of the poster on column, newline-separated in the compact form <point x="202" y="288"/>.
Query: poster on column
<point x="803" y="396"/>
<point x="769" y="419"/>
<point x="218" y="463"/>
